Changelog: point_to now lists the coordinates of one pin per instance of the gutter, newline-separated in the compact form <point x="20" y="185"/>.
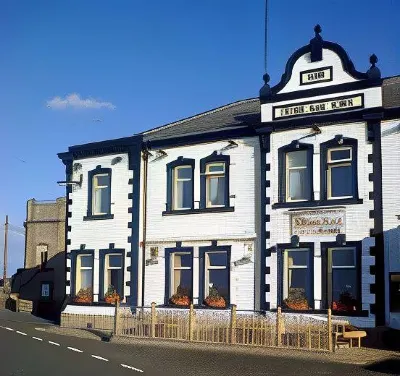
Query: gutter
<point x="145" y="157"/>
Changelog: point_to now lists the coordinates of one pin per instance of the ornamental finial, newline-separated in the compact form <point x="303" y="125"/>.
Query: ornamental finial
<point x="317" y="29"/>
<point x="373" y="59"/>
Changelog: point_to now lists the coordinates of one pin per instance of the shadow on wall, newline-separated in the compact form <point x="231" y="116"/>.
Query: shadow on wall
<point x="28" y="284"/>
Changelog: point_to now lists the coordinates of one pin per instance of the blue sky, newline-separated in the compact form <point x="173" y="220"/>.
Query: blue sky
<point x="146" y="63"/>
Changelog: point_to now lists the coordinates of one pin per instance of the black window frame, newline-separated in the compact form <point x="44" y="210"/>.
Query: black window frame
<point x="392" y="294"/>
<point x="326" y="275"/>
<point x="281" y="248"/>
<point x="180" y="161"/>
<point x="213" y="158"/>
<point x="202" y="271"/>
<point x="102" y="258"/>
<point x="338" y="142"/>
<point x="73" y="255"/>
<point x="91" y="174"/>
<point x="167" y="256"/>
<point x="282" y="152"/>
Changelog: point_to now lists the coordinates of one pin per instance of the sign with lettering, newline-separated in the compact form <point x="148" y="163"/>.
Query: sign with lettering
<point x="329" y="222"/>
<point x="314" y="76"/>
<point x="45" y="290"/>
<point x="321" y="106"/>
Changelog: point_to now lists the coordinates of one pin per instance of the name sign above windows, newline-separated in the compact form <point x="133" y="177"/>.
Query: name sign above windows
<point x="318" y="222"/>
<point x="315" y="76"/>
<point x="350" y="102"/>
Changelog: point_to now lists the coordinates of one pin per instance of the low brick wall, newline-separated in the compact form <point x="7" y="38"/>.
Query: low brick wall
<point x="25" y="305"/>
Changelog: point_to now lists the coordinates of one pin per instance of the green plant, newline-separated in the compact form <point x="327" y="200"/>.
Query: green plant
<point x="214" y="299"/>
<point x="296" y="299"/>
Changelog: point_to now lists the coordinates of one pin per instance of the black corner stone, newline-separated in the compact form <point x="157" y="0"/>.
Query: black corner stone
<point x="67" y="283"/>
<point x="129" y="210"/>
<point x="372" y="251"/>
<point x="128" y="283"/>
<point x="267" y="200"/>
<point x="267" y="270"/>
<point x="372" y="308"/>
<point x="371" y="195"/>
<point x="267" y="235"/>
<point x="129" y="224"/>
<point x="130" y="181"/>
<point x="371" y="214"/>
<point x="111" y="246"/>
<point x="68" y="241"/>
<point x="370" y="158"/>
<point x="267" y="183"/>
<point x="69" y="214"/>
<point x="268" y="167"/>
<point x="372" y="269"/>
<point x="128" y="254"/>
<point x="178" y="244"/>
<point x="371" y="177"/>
<point x="267" y="288"/>
<point x="371" y="232"/>
<point x="267" y="218"/>
<point x="372" y="288"/>
<point x="129" y="239"/>
<point x="129" y="268"/>
<point x="130" y="196"/>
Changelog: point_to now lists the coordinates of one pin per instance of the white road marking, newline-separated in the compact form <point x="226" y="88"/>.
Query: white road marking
<point x="100" y="358"/>
<point x="37" y="338"/>
<point x="40" y="329"/>
<point x="54" y="343"/>
<point x="74" y="349"/>
<point x="10" y="329"/>
<point x="22" y="333"/>
<point x="135" y="369"/>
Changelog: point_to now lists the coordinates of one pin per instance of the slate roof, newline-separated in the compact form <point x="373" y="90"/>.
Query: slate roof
<point x="237" y="115"/>
<point x="391" y="92"/>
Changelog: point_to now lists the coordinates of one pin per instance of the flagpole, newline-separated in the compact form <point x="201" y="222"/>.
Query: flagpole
<point x="5" y="251"/>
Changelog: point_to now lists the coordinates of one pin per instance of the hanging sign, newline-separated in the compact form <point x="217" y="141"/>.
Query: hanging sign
<point x="318" y="222"/>
<point x="314" y="76"/>
<point x="350" y="102"/>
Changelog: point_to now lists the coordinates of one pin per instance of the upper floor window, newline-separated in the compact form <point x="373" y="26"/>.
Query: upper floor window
<point x="214" y="181"/>
<point x="99" y="193"/>
<point x="339" y="169"/>
<point x="180" y="184"/>
<point x="295" y="171"/>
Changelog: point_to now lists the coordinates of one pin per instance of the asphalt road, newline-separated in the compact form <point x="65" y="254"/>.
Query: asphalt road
<point x="27" y="349"/>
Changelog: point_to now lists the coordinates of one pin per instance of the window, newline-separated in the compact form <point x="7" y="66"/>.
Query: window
<point x="295" y="172"/>
<point x="183" y="188"/>
<point x="394" y="292"/>
<point x="84" y="274"/>
<point x="42" y="254"/>
<point x="180" y="277"/>
<point x="101" y="197"/>
<point x="113" y="274"/>
<point x="343" y="279"/>
<point x="297" y="279"/>
<point x="298" y="182"/>
<point x="215" y="182"/>
<point x="340" y="173"/>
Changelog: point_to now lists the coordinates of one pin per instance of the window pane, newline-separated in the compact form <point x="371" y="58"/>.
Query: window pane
<point x="297" y="258"/>
<point x="114" y="280"/>
<point x="216" y="190"/>
<point x="86" y="261"/>
<point x="299" y="185"/>
<point x="343" y="257"/>
<point x="219" y="279"/>
<point x="183" y="260"/>
<point x="182" y="282"/>
<point x="344" y="289"/>
<point x="298" y="285"/>
<point x="103" y="180"/>
<point x="217" y="259"/>
<point x="341" y="181"/>
<point x="395" y="293"/>
<point x="115" y="261"/>
<point x="86" y="278"/>
<point x="337" y="155"/>
<point x="184" y="172"/>
<point x="215" y="168"/>
<point x="184" y="194"/>
<point x="297" y="158"/>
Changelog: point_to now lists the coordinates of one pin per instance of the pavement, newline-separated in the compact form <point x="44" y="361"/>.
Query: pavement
<point x="30" y="346"/>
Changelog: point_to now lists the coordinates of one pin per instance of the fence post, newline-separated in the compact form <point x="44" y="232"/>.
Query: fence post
<point x="191" y="322"/>
<point x="153" y="320"/>
<point x="278" y="327"/>
<point x="330" y="347"/>
<point x="233" y="324"/>
<point x="309" y="337"/>
<point x="116" y="318"/>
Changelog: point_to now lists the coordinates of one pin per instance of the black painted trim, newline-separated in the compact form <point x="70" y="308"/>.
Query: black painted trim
<point x="98" y="217"/>
<point x="202" y="252"/>
<point x="98" y="170"/>
<point x="214" y="157"/>
<point x="102" y="256"/>
<point x="168" y="252"/>
<point x="288" y="246"/>
<point x="311" y="71"/>
<point x="200" y="211"/>
<point x="314" y="204"/>
<point x="73" y="255"/>
<point x="180" y="161"/>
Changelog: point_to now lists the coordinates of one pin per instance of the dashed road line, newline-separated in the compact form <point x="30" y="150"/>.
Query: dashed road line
<point x="10" y="329"/>
<point x="74" y="349"/>
<point x="22" y="333"/>
<point x="130" y="367"/>
<point x="40" y="329"/>
<point x="54" y="343"/>
<point x="100" y="358"/>
<point x="37" y="338"/>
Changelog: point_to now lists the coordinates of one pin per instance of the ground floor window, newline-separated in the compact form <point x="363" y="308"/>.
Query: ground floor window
<point x="297" y="278"/>
<point x="113" y="276"/>
<point x="394" y="291"/>
<point x="84" y="278"/>
<point x="180" y="276"/>
<point x="342" y="270"/>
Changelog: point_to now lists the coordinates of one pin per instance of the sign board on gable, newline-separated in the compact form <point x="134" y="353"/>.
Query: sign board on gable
<point x="314" y="76"/>
<point x="322" y="106"/>
<point x="329" y="222"/>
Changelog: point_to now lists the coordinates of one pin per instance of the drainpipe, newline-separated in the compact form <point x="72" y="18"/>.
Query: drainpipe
<point x="145" y="157"/>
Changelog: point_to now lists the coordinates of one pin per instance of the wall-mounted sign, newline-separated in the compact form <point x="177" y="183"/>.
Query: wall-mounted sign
<point x="329" y="222"/>
<point x="314" y="76"/>
<point x="46" y="290"/>
<point x="350" y="102"/>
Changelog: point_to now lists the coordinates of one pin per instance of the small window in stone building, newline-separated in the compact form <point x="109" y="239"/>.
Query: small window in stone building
<point x="42" y="254"/>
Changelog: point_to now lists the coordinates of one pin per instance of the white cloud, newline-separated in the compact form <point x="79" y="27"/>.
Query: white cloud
<point x="74" y="100"/>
